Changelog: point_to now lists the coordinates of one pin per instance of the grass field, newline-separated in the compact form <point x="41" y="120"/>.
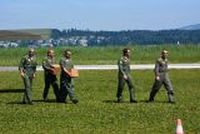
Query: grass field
<point x="108" y="55"/>
<point x="97" y="111"/>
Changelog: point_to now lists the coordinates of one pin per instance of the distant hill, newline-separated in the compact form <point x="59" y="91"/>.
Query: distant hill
<point x="191" y="27"/>
<point x="185" y="35"/>
<point x="25" y="34"/>
<point x="44" y="33"/>
<point x="143" y="37"/>
<point x="18" y="35"/>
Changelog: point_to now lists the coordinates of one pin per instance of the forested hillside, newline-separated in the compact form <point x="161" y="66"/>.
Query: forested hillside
<point x="143" y="37"/>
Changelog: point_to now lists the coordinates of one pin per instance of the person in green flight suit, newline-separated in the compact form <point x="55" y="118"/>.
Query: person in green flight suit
<point x="66" y="81"/>
<point x="162" y="78"/>
<point x="49" y="75"/>
<point x="124" y="76"/>
<point x="27" y="68"/>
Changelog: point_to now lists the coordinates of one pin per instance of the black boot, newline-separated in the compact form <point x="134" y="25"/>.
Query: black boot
<point x="75" y="101"/>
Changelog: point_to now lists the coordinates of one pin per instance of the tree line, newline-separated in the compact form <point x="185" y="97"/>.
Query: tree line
<point x="143" y="37"/>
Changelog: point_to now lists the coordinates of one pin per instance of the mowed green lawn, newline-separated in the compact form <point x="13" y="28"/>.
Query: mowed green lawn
<point x="107" y="55"/>
<point x="97" y="111"/>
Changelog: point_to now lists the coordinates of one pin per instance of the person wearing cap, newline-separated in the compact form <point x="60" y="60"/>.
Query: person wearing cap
<point x="27" y="69"/>
<point x="49" y="75"/>
<point x="162" y="78"/>
<point x="66" y="81"/>
<point x="124" y="76"/>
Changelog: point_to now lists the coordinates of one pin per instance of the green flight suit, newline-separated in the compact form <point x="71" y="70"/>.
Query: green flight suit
<point x="28" y="66"/>
<point x="66" y="82"/>
<point x="124" y="70"/>
<point x="161" y="69"/>
<point x="49" y="78"/>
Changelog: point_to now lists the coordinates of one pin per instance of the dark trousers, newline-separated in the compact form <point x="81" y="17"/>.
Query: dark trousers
<point x="164" y="80"/>
<point x="27" y="97"/>
<point x="66" y="88"/>
<point x="50" y="80"/>
<point x="121" y="84"/>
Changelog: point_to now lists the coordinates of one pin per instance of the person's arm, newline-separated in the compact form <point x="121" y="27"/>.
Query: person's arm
<point x="34" y="66"/>
<point x="157" y="68"/>
<point x="120" y="66"/>
<point x="46" y="65"/>
<point x="63" y="68"/>
<point x="21" y="67"/>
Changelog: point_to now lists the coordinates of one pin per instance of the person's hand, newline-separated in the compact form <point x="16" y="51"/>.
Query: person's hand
<point x="34" y="75"/>
<point x="22" y="74"/>
<point x="125" y="77"/>
<point x="157" y="78"/>
<point x="52" y="71"/>
<point x="67" y="72"/>
<point x="51" y="66"/>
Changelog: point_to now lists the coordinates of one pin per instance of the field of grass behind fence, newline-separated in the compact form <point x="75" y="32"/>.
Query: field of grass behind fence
<point x="97" y="112"/>
<point x="108" y="55"/>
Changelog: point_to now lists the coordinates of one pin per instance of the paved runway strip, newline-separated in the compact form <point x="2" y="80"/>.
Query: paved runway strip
<point x="114" y="67"/>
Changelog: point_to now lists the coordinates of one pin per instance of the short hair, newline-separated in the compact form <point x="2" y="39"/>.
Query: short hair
<point x="31" y="50"/>
<point x="67" y="51"/>
<point x="125" y="50"/>
<point x="164" y="51"/>
<point x="49" y="51"/>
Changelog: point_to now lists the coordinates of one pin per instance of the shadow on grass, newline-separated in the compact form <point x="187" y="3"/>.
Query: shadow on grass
<point x="34" y="101"/>
<point x="48" y="101"/>
<point x="114" y="101"/>
<point x="139" y="101"/>
<point x="16" y="102"/>
<point x="11" y="91"/>
<point x="155" y="101"/>
<point x="109" y="101"/>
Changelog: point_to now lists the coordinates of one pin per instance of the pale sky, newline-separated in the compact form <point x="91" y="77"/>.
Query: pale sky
<point x="99" y="14"/>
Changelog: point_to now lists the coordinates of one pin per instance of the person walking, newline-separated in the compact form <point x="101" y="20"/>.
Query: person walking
<point x="124" y="76"/>
<point x="66" y="80"/>
<point x="162" y="78"/>
<point x="50" y="75"/>
<point x="27" y="69"/>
